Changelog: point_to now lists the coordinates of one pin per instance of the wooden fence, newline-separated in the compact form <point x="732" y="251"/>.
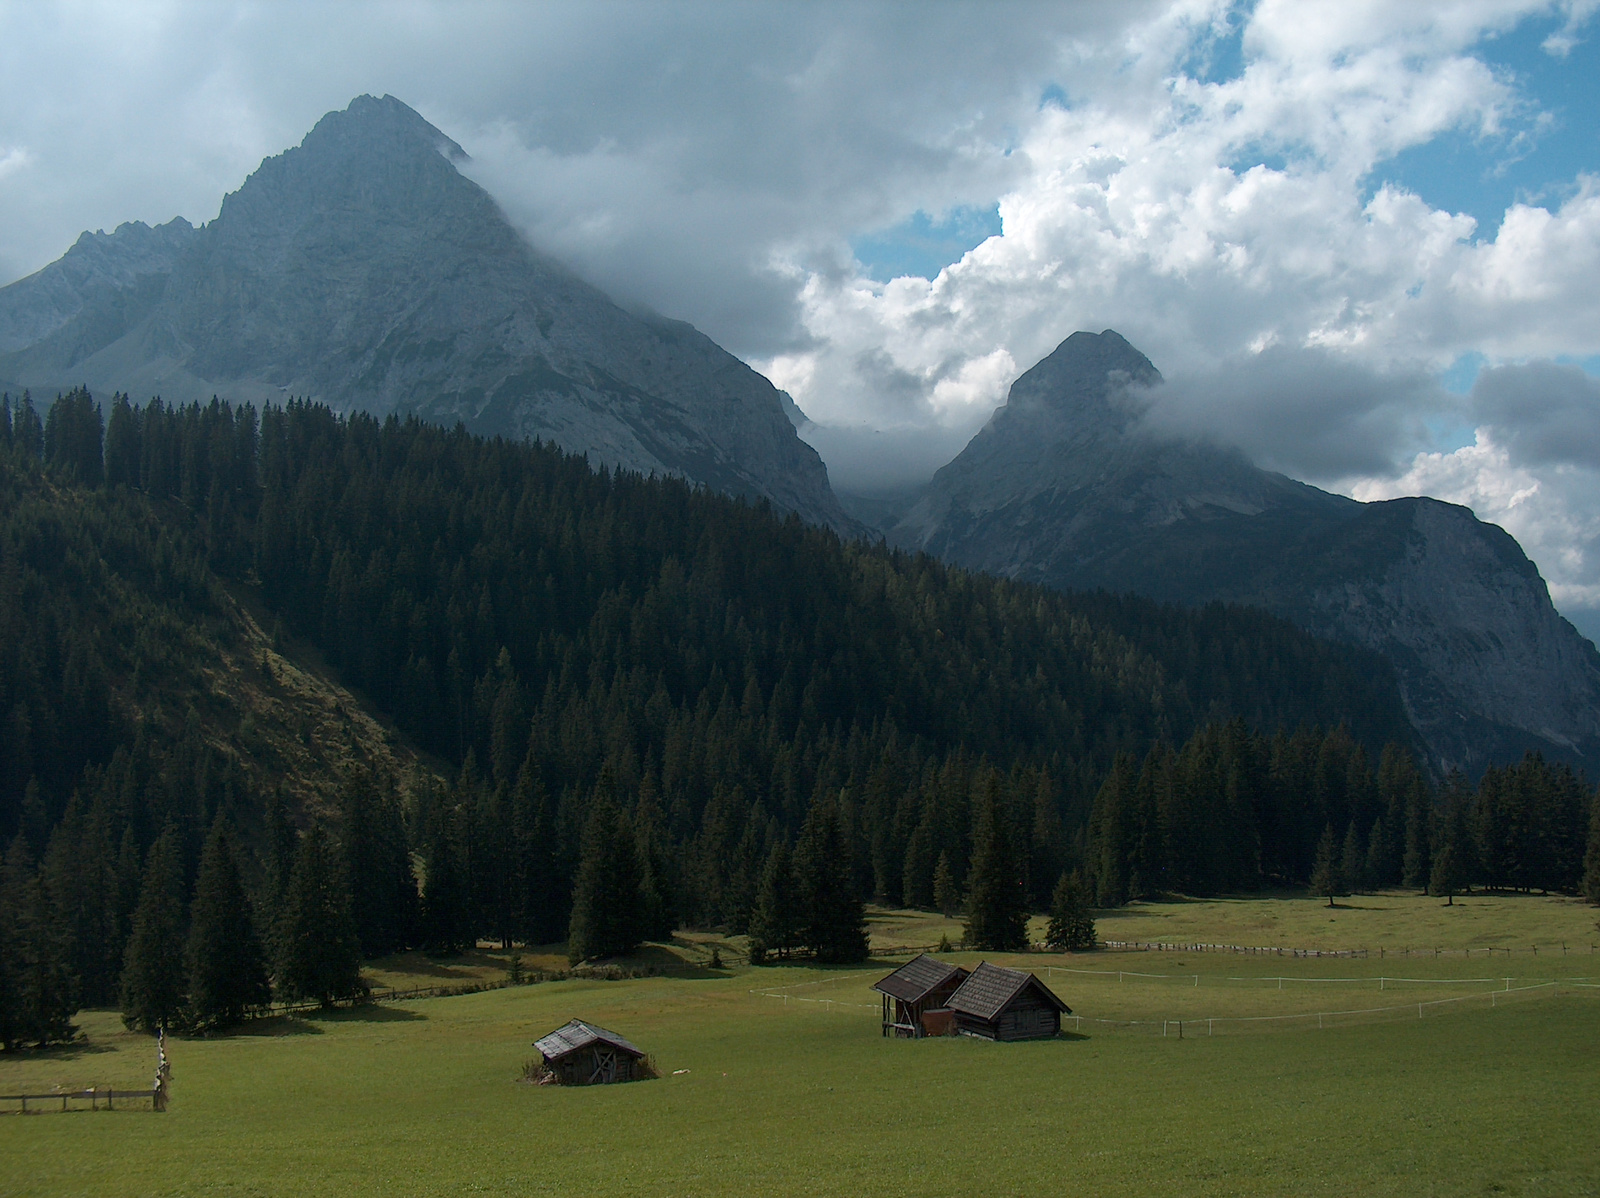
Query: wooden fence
<point x="97" y="1099"/>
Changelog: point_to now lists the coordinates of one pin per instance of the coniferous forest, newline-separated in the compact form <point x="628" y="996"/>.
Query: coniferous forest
<point x="648" y="706"/>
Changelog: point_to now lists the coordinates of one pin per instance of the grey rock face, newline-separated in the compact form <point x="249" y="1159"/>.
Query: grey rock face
<point x="363" y="270"/>
<point x="1061" y="487"/>
<point x="93" y="271"/>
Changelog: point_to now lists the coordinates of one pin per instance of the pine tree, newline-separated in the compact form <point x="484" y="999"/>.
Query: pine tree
<point x="38" y="991"/>
<point x="153" y="975"/>
<point x="997" y="913"/>
<point x="1071" y="922"/>
<point x="833" y="917"/>
<point x="383" y="887"/>
<point x="226" y="969"/>
<point x="1325" y="871"/>
<point x="446" y="909"/>
<point x="606" y="898"/>
<point x="320" y="953"/>
<point x="946" y="894"/>
<point x="774" y="924"/>
<point x="1353" y="860"/>
<point x="1446" y="876"/>
<point x="1591" y="858"/>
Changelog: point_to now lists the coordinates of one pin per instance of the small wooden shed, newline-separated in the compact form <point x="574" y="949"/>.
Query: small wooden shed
<point x="581" y="1054"/>
<point x="915" y="997"/>
<point x="1006" y="1004"/>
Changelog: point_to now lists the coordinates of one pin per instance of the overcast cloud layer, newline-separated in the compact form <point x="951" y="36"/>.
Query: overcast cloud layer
<point x="1204" y="177"/>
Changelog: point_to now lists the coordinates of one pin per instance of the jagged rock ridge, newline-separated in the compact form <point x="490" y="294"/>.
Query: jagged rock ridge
<point x="1063" y="486"/>
<point x="362" y="269"/>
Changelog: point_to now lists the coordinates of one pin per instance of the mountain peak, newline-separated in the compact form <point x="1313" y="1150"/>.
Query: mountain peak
<point x="386" y="123"/>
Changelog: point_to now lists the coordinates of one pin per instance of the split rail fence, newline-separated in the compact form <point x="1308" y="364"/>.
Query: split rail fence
<point x="97" y="1099"/>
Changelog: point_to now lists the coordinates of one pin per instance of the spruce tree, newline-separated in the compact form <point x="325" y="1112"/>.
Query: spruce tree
<point x="774" y="924"/>
<point x="833" y="917"/>
<point x="38" y="990"/>
<point x="1446" y="876"/>
<point x="997" y="913"/>
<point x="1353" y="860"/>
<point x="1417" y="863"/>
<point x="1591" y="858"/>
<point x="1071" y="922"/>
<point x="227" y="972"/>
<point x="1325" y="870"/>
<point x="946" y="894"/>
<point x="153" y="974"/>
<point x="320" y="953"/>
<point x="383" y="887"/>
<point x="606" y="898"/>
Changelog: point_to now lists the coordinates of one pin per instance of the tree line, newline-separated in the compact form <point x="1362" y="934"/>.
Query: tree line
<point x="1234" y="810"/>
<point x="660" y="706"/>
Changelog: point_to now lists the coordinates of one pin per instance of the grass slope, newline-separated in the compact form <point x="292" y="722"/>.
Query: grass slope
<point x="788" y="1096"/>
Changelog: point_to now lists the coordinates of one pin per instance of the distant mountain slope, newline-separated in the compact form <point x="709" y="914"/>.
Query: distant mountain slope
<point x="364" y="270"/>
<point x="1061" y="487"/>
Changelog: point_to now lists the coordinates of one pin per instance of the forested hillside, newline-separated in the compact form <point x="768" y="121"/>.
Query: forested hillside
<point x="610" y="667"/>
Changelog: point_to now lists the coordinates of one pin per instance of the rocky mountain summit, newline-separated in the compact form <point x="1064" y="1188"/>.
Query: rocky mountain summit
<point x="363" y="270"/>
<point x="1065" y="486"/>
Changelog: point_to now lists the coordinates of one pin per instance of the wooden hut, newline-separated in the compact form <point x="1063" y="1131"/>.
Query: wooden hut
<point x="915" y="997"/>
<point x="581" y="1054"/>
<point x="1006" y="1004"/>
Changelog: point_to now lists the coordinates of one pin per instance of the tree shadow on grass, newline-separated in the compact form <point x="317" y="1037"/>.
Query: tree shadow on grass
<point x="70" y="1051"/>
<point x="273" y="1025"/>
<point x="366" y="1013"/>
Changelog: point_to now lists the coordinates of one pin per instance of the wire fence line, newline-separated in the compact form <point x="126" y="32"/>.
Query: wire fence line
<point x="1384" y="981"/>
<point x="1383" y="951"/>
<point x="1223" y="1024"/>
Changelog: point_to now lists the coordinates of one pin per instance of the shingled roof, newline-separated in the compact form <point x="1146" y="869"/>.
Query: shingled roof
<point x="986" y="993"/>
<point x="578" y="1034"/>
<point x="918" y="977"/>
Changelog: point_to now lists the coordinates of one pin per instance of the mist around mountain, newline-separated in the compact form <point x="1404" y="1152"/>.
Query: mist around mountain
<point x="361" y="269"/>
<point x="1064" y="486"/>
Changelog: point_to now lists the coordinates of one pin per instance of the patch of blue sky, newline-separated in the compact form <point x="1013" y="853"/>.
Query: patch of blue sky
<point x="1054" y="96"/>
<point x="921" y="246"/>
<point x="1461" y="374"/>
<point x="1590" y="364"/>
<point x="1541" y="150"/>
<point x="1218" y="55"/>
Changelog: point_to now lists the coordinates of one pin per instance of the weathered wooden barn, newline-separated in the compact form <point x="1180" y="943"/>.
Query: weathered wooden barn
<point x="581" y="1054"/>
<point x="1006" y="1004"/>
<point x="915" y="997"/>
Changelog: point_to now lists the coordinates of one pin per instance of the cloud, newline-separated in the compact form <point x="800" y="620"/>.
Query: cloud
<point x="1312" y="413"/>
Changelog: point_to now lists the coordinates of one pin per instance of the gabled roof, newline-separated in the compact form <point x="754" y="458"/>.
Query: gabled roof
<point x="992" y="987"/>
<point x="918" y="977"/>
<point x="578" y="1034"/>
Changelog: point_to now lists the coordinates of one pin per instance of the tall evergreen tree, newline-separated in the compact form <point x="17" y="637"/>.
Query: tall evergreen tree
<point x="775" y="922"/>
<point x="383" y="887"/>
<point x="38" y="990"/>
<point x="153" y="974"/>
<point x="997" y="913"/>
<point x="833" y="916"/>
<point x="226" y="969"/>
<point x="1591" y="858"/>
<point x="1325" y="874"/>
<point x="606" y="899"/>
<point x="446" y="900"/>
<point x="1446" y="878"/>
<point x="1071" y="922"/>
<point x="321" y="954"/>
<point x="946" y="891"/>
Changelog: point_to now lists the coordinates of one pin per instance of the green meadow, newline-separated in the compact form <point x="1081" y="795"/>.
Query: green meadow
<point x="776" y="1080"/>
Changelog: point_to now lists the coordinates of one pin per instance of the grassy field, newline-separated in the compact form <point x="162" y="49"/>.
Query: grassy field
<point x="776" y="1081"/>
